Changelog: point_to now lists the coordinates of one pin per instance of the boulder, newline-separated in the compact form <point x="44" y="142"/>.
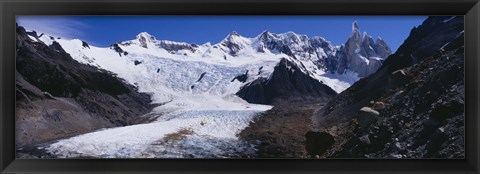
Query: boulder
<point x="398" y="78"/>
<point x="378" y="106"/>
<point x="318" y="143"/>
<point x="364" y="139"/>
<point x="367" y="116"/>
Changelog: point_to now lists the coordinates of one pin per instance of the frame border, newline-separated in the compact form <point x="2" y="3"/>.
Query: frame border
<point x="10" y="8"/>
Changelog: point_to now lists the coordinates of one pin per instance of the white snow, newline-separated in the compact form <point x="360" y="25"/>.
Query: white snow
<point x="376" y="58"/>
<point x="364" y="59"/>
<point x="33" y="38"/>
<point x="46" y="39"/>
<point x="339" y="82"/>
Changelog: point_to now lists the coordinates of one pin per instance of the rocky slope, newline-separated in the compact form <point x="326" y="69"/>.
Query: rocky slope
<point x="412" y="107"/>
<point x="57" y="97"/>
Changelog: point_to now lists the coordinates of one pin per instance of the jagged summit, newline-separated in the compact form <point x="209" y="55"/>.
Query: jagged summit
<point x="355" y="26"/>
<point x="233" y="33"/>
<point x="233" y="37"/>
<point x="265" y="34"/>
<point x="360" y="53"/>
<point x="145" y="35"/>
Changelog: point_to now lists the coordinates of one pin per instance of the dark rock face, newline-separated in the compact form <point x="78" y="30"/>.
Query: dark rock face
<point x="287" y="81"/>
<point x="136" y="62"/>
<point x="85" y="45"/>
<point x="117" y="48"/>
<point x="201" y="76"/>
<point x="173" y="46"/>
<point x="254" y="92"/>
<point x="241" y="78"/>
<point x="59" y="97"/>
<point x="421" y="87"/>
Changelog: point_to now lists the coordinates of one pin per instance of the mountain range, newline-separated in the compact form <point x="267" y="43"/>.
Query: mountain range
<point x="336" y="66"/>
<point x="200" y="89"/>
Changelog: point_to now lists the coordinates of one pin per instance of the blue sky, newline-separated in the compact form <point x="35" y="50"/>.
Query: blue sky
<point x="105" y="30"/>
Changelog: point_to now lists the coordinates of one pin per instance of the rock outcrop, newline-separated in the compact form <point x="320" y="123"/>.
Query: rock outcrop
<point x="361" y="54"/>
<point x="287" y="82"/>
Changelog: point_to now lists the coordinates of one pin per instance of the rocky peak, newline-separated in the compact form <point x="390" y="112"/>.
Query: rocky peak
<point x="355" y="32"/>
<point x="361" y="54"/>
<point x="355" y="26"/>
<point x="233" y="42"/>
<point x="381" y="48"/>
<point x="321" y="42"/>
<point x="286" y="82"/>
<point x="292" y="38"/>
<point x="233" y="37"/>
<point x="144" y="38"/>
<point x="381" y="42"/>
<point x="265" y="36"/>
<point x="146" y="35"/>
<point x="233" y="33"/>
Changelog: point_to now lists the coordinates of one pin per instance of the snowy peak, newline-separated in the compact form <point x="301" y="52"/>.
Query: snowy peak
<point x="265" y="36"/>
<point x="234" y="37"/>
<point x="145" y="39"/>
<point x="142" y="39"/>
<point x="146" y="35"/>
<point x="265" y="33"/>
<point x="234" y="43"/>
<point x="233" y="34"/>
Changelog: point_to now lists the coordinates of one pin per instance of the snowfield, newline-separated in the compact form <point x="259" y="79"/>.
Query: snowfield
<point x="199" y="115"/>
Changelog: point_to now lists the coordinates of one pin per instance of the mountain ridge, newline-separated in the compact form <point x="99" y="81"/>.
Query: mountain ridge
<point x="315" y="55"/>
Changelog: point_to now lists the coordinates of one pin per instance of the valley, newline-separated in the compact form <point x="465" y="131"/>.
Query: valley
<point x="271" y="96"/>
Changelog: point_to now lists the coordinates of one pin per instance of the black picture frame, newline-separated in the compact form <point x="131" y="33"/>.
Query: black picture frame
<point x="10" y="8"/>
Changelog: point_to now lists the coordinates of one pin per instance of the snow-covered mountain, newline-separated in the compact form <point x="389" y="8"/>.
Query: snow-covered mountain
<point x="336" y="66"/>
<point x="197" y="85"/>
